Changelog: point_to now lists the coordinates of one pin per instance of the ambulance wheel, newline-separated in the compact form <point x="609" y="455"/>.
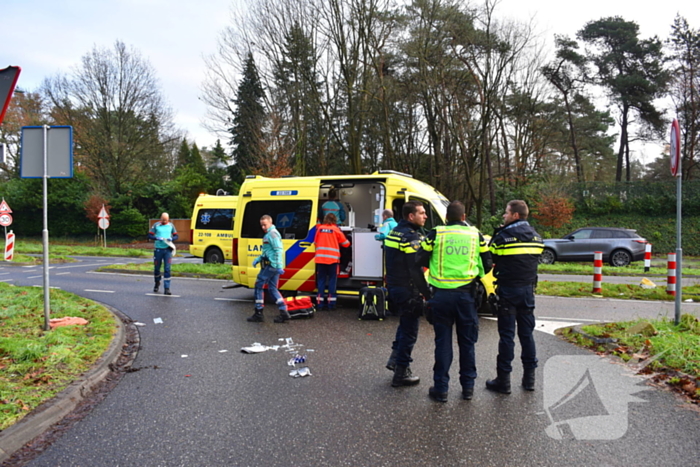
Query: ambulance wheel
<point x="214" y="255"/>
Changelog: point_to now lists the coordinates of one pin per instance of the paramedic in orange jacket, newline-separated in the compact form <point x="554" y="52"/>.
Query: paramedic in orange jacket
<point x="328" y="241"/>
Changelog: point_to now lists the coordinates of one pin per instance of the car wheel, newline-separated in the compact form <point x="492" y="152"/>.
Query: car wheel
<point x="620" y="258"/>
<point x="548" y="256"/>
<point x="214" y="255"/>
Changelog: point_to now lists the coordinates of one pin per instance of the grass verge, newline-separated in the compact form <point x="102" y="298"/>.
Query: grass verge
<point x="55" y="249"/>
<point x="35" y="365"/>
<point x="674" y="350"/>
<point x="208" y="270"/>
<point x="624" y="291"/>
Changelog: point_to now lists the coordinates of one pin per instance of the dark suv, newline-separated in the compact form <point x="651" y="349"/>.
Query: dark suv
<point x="619" y="246"/>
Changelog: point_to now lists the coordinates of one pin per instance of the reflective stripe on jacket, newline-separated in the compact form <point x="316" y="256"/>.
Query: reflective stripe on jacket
<point x="455" y="258"/>
<point x="328" y="241"/>
<point x="332" y="206"/>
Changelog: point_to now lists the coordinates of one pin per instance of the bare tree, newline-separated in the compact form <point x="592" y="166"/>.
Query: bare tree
<point x="123" y="130"/>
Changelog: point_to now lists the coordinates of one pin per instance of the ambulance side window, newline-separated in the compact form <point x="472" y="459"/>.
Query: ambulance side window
<point x="215" y="219"/>
<point x="291" y="217"/>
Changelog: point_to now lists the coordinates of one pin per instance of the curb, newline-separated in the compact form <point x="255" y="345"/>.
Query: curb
<point x="54" y="410"/>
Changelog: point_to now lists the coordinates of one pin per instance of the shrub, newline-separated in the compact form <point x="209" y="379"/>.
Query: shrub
<point x="553" y="211"/>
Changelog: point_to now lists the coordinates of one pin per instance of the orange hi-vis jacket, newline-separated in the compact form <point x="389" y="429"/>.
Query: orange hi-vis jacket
<point x="328" y="241"/>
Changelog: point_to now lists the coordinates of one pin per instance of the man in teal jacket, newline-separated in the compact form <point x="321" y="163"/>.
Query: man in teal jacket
<point x="272" y="259"/>
<point x="388" y="224"/>
<point x="164" y="233"/>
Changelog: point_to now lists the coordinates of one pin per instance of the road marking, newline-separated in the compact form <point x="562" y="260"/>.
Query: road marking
<point x="100" y="291"/>
<point x="79" y="266"/>
<point x="4" y="273"/>
<point x="161" y="295"/>
<point x="7" y="280"/>
<point x="61" y="273"/>
<point x="548" y="326"/>
<point x="30" y="266"/>
<point x="233" y="299"/>
<point x="555" y="318"/>
<point x="33" y="277"/>
<point x="58" y="288"/>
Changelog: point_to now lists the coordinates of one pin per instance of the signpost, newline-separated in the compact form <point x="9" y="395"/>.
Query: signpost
<point x="103" y="223"/>
<point x="8" y="80"/>
<point x="677" y="172"/>
<point x="46" y="152"/>
<point x="6" y="221"/>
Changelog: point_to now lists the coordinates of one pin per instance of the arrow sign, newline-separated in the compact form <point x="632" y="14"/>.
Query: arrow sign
<point x="4" y="208"/>
<point x="103" y="213"/>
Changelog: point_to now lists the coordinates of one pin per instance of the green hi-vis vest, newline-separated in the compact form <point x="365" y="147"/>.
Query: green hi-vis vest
<point x="455" y="259"/>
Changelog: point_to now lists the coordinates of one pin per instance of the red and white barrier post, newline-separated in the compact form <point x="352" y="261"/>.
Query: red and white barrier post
<point x="647" y="257"/>
<point x="671" y="279"/>
<point x="9" y="246"/>
<point x="597" y="271"/>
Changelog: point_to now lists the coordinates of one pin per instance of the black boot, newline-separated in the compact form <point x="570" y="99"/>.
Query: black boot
<point x="257" y="317"/>
<point x="499" y="384"/>
<point x="529" y="379"/>
<point x="391" y="364"/>
<point x="404" y="377"/>
<point x="167" y="291"/>
<point x="157" y="286"/>
<point x="283" y="316"/>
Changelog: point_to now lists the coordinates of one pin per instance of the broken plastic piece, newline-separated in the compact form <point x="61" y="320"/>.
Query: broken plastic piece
<point x="301" y="372"/>
<point x="158" y="320"/>
<point x="183" y="356"/>
<point x="222" y="351"/>
<point x="137" y="323"/>
<point x="257" y="347"/>
<point x="297" y="359"/>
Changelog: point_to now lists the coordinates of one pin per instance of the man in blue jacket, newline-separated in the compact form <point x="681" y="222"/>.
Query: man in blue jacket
<point x="272" y="260"/>
<point x="515" y="248"/>
<point x="164" y="233"/>
<point x="388" y="224"/>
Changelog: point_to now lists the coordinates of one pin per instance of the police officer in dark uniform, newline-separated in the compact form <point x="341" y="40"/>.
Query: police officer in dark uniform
<point x="405" y="282"/>
<point x="516" y="248"/>
<point x="457" y="256"/>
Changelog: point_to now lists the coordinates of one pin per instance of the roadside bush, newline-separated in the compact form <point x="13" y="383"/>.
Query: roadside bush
<point x="128" y="222"/>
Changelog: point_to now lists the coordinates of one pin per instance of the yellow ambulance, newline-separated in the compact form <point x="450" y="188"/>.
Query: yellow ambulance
<point x="294" y="203"/>
<point x="211" y="227"/>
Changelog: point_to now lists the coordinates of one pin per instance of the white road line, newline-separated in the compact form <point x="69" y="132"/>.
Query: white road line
<point x="79" y="266"/>
<point x="49" y="287"/>
<point x="33" y="277"/>
<point x="161" y="295"/>
<point x="61" y="273"/>
<point x="233" y="299"/>
<point x="556" y="318"/>
<point x="30" y="266"/>
<point x="6" y="280"/>
<point x="100" y="291"/>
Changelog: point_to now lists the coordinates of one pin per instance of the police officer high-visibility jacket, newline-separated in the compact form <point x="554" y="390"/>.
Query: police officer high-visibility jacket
<point x="328" y="240"/>
<point x="400" y="248"/>
<point x="516" y="249"/>
<point x="455" y="254"/>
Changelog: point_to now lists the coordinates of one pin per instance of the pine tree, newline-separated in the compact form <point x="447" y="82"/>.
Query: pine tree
<point x="248" y="121"/>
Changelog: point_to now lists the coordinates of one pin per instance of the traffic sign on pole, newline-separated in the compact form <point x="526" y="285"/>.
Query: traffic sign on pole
<point x="103" y="213"/>
<point x="675" y="149"/>
<point x="4" y="207"/>
<point x="5" y="219"/>
<point x="8" y="80"/>
<point x="103" y="223"/>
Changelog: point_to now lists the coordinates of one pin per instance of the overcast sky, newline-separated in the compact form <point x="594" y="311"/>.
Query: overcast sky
<point x="49" y="37"/>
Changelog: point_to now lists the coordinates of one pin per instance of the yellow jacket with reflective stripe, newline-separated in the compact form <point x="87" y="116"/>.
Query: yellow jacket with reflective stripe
<point x="455" y="255"/>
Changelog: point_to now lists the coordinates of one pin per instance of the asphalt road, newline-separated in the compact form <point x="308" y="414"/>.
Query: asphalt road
<point x="198" y="400"/>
